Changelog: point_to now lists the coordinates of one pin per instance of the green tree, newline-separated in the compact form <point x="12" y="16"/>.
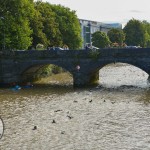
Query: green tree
<point x="116" y="35"/>
<point x="15" y="30"/>
<point x="37" y="26"/>
<point x="135" y="33"/>
<point x="44" y="25"/>
<point x="100" y="39"/>
<point x="69" y="26"/>
<point x="146" y="26"/>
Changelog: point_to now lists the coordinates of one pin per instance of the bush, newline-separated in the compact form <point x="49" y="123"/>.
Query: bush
<point x="39" y="47"/>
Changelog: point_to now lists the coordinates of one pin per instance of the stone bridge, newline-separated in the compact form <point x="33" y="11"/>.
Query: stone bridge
<point x="18" y="66"/>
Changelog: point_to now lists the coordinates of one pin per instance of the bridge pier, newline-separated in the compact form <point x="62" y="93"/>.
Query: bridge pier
<point x="148" y="79"/>
<point x="9" y="72"/>
<point x="82" y="79"/>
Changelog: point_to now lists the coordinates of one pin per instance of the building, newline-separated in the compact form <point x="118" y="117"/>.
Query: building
<point x="88" y="27"/>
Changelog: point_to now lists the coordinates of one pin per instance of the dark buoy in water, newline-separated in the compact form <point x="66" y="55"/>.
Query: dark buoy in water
<point x="90" y="101"/>
<point x="70" y="117"/>
<point x="53" y="121"/>
<point x="35" y="127"/>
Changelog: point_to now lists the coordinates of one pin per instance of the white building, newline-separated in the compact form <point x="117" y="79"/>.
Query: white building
<point x="88" y="27"/>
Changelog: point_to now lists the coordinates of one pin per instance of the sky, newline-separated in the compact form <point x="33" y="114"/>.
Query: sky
<point x="108" y="11"/>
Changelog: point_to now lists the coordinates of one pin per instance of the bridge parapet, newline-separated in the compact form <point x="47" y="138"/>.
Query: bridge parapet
<point x="109" y="53"/>
<point x="44" y="54"/>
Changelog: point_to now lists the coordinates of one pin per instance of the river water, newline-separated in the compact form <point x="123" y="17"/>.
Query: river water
<point x="53" y="116"/>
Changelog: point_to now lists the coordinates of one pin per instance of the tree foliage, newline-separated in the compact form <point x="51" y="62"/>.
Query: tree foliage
<point x="135" y="33"/>
<point x="68" y="25"/>
<point x="25" y="24"/>
<point x="100" y="39"/>
<point x="55" y="25"/>
<point x="45" y="28"/>
<point x="116" y="36"/>
<point x="146" y="26"/>
<point x="37" y="26"/>
<point x="14" y="21"/>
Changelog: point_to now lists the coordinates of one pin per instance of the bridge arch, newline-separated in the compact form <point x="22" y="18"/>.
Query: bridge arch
<point x="134" y="64"/>
<point x="27" y="73"/>
<point x="134" y="69"/>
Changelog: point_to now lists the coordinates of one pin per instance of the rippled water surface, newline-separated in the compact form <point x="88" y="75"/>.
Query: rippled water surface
<point x="53" y="116"/>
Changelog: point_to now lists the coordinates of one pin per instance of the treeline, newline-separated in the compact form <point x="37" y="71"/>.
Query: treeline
<point x="24" y="24"/>
<point x="135" y="33"/>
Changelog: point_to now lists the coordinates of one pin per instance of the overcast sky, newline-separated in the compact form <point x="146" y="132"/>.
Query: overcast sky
<point x="108" y="10"/>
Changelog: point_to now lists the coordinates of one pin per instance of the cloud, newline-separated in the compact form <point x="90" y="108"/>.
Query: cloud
<point x="136" y="11"/>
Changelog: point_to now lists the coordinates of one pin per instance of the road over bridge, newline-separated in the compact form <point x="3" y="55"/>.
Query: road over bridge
<point x="84" y="65"/>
